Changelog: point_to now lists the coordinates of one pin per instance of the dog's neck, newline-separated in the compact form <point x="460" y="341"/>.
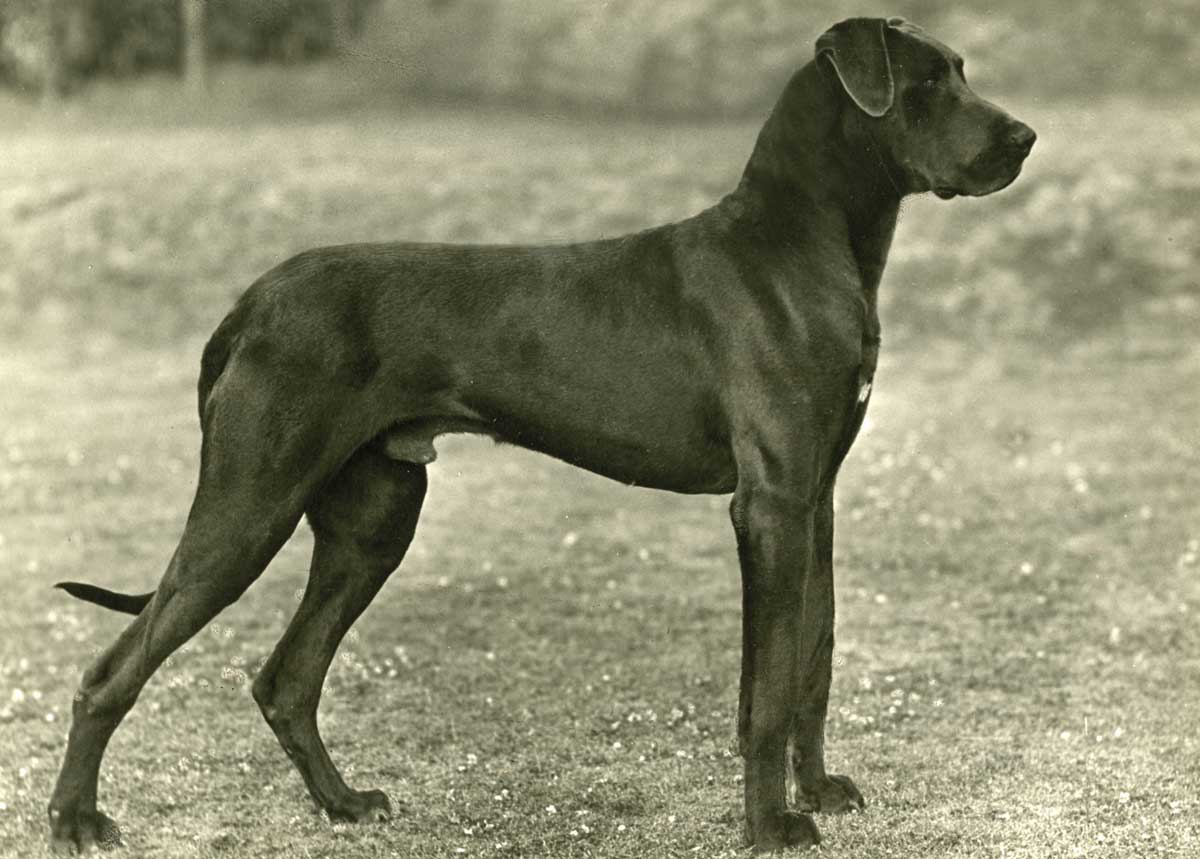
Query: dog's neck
<point x="808" y="179"/>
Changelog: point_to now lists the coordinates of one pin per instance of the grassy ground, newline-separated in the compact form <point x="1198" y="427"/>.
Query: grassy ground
<point x="553" y="671"/>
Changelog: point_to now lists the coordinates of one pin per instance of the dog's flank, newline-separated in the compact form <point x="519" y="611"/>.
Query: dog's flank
<point x="733" y="351"/>
<point x="125" y="603"/>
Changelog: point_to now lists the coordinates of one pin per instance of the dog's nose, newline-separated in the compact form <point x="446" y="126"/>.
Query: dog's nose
<point x="1022" y="138"/>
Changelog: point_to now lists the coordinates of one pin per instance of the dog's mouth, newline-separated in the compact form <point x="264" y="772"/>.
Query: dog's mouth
<point x="1003" y="177"/>
<point x="1001" y="183"/>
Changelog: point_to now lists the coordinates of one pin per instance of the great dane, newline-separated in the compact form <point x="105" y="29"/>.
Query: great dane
<point x="732" y="352"/>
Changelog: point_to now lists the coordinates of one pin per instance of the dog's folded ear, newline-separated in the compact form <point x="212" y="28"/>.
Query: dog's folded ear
<point x="857" y="51"/>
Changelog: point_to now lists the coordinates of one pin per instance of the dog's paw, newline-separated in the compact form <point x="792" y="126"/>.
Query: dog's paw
<point x="786" y="829"/>
<point x="835" y="795"/>
<point x="362" y="806"/>
<point x="81" y="832"/>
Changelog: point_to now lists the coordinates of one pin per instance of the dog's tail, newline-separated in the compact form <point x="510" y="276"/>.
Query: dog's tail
<point x="127" y="603"/>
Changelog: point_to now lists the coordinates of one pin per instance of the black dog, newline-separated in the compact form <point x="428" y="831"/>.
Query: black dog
<point x="731" y="352"/>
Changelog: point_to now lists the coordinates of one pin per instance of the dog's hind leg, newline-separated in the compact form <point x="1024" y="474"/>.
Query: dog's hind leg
<point x="259" y="467"/>
<point x="363" y="520"/>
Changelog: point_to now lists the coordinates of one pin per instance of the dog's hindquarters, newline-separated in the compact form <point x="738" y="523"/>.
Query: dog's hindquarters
<point x="259" y="469"/>
<point x="218" y="350"/>
<point x="216" y="355"/>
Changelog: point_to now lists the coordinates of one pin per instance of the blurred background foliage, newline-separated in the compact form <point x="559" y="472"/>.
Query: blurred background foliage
<point x="120" y="38"/>
<point x="651" y="56"/>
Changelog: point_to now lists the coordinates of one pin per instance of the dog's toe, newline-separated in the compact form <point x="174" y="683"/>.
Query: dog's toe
<point x="362" y="806"/>
<point x="80" y="832"/>
<point x="837" y="794"/>
<point x="788" y="829"/>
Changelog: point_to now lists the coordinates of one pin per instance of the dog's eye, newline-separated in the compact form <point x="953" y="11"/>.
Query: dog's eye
<point x="938" y="72"/>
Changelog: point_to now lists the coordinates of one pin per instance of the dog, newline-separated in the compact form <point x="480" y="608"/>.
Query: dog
<point x="732" y="352"/>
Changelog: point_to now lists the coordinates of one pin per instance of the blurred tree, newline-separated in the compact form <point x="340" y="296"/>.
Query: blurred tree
<point x="54" y="84"/>
<point x="133" y="36"/>
<point x="341" y="13"/>
<point x="195" y="47"/>
<point x="44" y="44"/>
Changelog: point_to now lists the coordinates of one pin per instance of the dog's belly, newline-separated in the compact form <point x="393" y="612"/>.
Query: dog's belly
<point x="636" y="417"/>
<point x="651" y="454"/>
<point x="664" y="442"/>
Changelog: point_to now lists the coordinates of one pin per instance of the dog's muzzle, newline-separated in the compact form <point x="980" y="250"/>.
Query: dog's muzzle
<point x="998" y="166"/>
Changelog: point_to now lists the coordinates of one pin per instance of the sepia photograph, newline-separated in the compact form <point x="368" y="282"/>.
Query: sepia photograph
<point x="623" y="428"/>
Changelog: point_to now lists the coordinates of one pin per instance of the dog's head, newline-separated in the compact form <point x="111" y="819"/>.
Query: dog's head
<point x="905" y="94"/>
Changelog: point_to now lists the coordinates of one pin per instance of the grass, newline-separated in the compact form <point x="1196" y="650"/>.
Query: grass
<point x="553" y="671"/>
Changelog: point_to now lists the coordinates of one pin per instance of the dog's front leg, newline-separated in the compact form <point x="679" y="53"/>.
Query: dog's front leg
<point x="775" y="547"/>
<point x="815" y="789"/>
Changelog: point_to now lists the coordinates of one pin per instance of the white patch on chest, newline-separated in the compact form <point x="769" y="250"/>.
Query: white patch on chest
<point x="864" y="391"/>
